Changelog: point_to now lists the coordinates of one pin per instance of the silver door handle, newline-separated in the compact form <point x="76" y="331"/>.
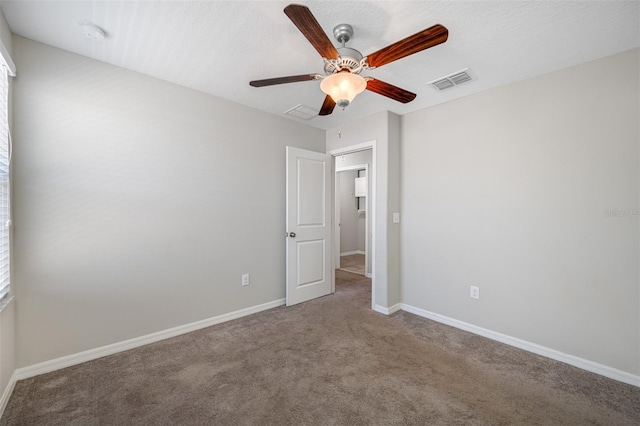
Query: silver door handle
<point x="292" y="234"/>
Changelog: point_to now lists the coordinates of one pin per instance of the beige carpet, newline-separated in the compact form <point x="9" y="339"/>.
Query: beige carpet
<point x="353" y="263"/>
<point x="331" y="361"/>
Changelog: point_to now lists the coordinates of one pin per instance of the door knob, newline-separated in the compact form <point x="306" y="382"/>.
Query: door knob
<point x="292" y="234"/>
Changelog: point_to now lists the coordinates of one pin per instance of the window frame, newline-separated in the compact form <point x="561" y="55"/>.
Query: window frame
<point x="5" y="187"/>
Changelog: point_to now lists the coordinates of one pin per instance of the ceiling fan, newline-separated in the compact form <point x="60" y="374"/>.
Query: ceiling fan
<point x="343" y="65"/>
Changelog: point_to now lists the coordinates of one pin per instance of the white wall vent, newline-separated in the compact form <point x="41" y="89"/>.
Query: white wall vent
<point x="302" y="111"/>
<point x="452" y="80"/>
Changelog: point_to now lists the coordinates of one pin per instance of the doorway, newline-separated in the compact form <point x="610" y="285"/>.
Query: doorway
<point x="351" y="204"/>
<point x="353" y="162"/>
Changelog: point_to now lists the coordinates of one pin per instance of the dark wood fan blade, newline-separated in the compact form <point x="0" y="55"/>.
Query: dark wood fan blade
<point x="327" y="106"/>
<point x="302" y="17"/>
<point x="425" y="39"/>
<point x="390" y="91"/>
<point x="282" y="80"/>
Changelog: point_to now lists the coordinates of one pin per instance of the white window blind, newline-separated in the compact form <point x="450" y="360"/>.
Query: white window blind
<point x="4" y="182"/>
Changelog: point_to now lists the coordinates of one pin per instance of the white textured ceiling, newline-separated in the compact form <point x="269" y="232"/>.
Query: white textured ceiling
<point x="217" y="47"/>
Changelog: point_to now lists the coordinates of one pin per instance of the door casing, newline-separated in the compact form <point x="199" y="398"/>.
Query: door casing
<point x="372" y="191"/>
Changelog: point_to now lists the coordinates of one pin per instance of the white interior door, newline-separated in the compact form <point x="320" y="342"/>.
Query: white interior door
<point x="308" y="206"/>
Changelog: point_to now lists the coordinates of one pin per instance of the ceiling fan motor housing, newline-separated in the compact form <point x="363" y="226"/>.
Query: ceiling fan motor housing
<point x="349" y="59"/>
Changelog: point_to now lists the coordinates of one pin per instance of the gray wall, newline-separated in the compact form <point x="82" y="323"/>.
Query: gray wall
<point x="5" y="34"/>
<point x="7" y="315"/>
<point x="138" y="203"/>
<point x="508" y="190"/>
<point x="348" y="212"/>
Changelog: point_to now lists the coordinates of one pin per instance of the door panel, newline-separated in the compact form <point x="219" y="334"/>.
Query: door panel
<point x="310" y="262"/>
<point x="308" y="214"/>
<point x="311" y="189"/>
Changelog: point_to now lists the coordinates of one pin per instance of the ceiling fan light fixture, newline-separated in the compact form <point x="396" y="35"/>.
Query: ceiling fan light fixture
<point x="343" y="65"/>
<point x="343" y="87"/>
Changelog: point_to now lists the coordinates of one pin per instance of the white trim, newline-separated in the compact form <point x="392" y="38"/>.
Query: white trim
<point x="4" y="400"/>
<point x="387" y="311"/>
<point x="335" y="219"/>
<point x="582" y="363"/>
<point x="6" y="301"/>
<point x="350" y="168"/>
<point x="352" y="148"/>
<point x="349" y="253"/>
<point x="371" y="248"/>
<point x="91" y="354"/>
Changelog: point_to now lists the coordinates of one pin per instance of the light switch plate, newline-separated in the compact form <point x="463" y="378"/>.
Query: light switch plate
<point x="396" y="218"/>
<point x="474" y="292"/>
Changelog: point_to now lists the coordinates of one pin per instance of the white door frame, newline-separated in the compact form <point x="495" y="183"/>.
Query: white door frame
<point x="364" y="167"/>
<point x="348" y="150"/>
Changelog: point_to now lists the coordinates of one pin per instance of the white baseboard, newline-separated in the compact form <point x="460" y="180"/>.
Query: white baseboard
<point x="387" y="311"/>
<point x="7" y="393"/>
<point x="91" y="354"/>
<point x="349" y="253"/>
<point x="594" y="367"/>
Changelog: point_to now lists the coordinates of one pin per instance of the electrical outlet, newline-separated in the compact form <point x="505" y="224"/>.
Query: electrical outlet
<point x="245" y="279"/>
<point x="474" y="292"/>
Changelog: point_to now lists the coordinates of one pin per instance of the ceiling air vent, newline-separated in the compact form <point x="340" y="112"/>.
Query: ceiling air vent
<point x="442" y="84"/>
<point x="452" y="80"/>
<point x="302" y="111"/>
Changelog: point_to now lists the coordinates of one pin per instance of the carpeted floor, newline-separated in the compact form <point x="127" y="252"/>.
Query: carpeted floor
<point x="353" y="263"/>
<point x="331" y="361"/>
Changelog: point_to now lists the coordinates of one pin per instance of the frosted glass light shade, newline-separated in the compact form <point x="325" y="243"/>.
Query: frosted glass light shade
<point x="343" y="86"/>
